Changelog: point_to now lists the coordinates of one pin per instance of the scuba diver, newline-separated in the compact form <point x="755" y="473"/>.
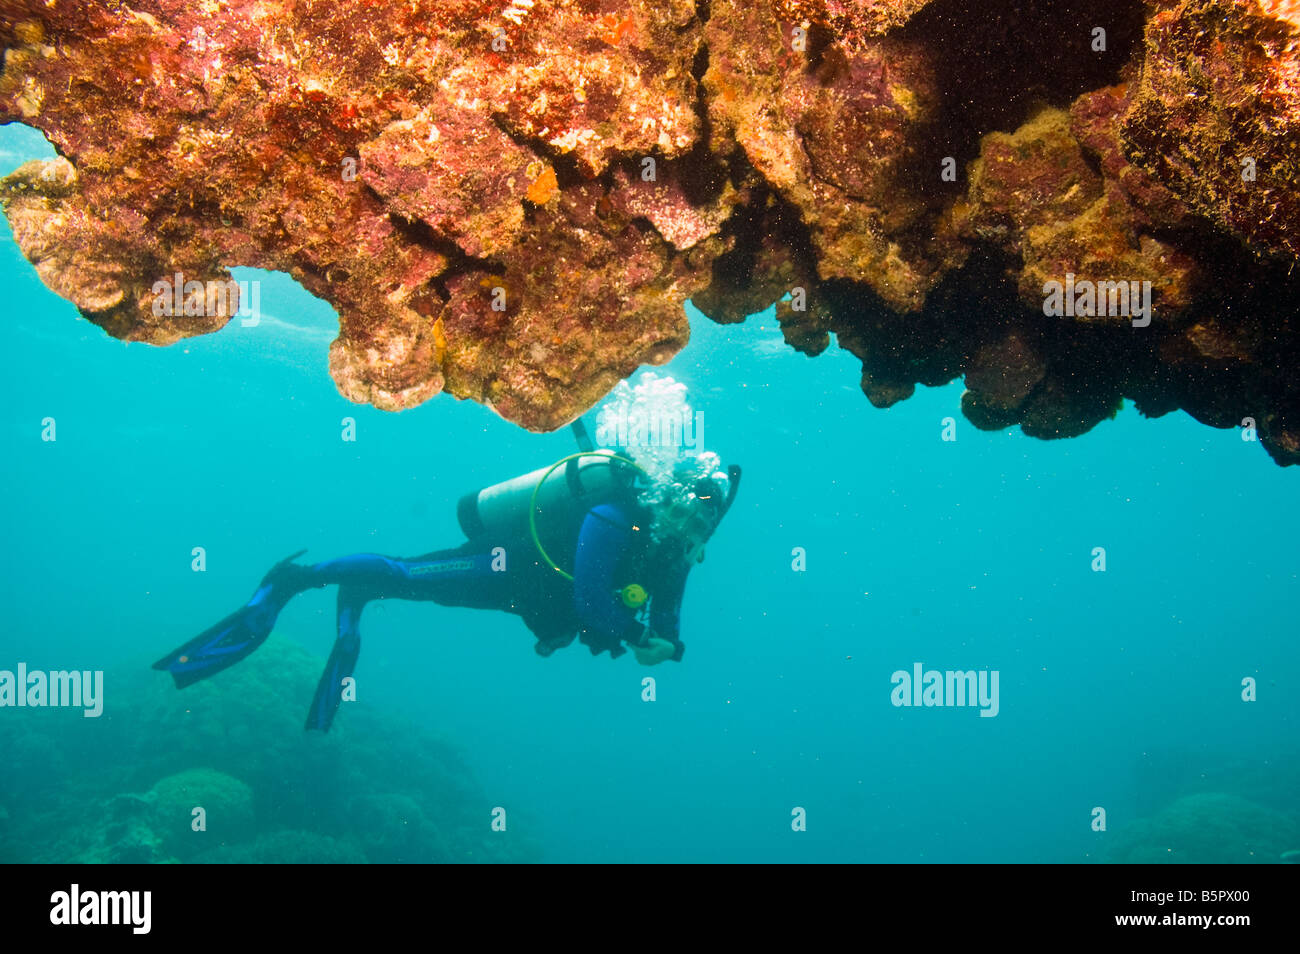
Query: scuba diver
<point x="631" y="540"/>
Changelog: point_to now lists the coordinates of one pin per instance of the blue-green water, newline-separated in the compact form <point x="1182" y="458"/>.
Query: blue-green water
<point x="1119" y="689"/>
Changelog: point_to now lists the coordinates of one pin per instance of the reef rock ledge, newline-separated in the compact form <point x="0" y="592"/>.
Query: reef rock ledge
<point x="1070" y="203"/>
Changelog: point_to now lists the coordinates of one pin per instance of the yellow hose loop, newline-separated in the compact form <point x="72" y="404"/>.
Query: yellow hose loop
<point x="532" y="505"/>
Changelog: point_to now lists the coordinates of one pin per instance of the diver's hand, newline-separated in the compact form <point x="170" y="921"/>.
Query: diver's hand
<point x="654" y="651"/>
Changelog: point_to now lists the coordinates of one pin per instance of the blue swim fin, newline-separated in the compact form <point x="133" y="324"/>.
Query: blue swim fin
<point x="329" y="691"/>
<point x="221" y="645"/>
<point x="239" y="633"/>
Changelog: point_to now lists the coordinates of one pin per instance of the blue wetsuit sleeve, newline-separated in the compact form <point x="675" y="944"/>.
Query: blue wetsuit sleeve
<point x="605" y="537"/>
<point x="666" y="605"/>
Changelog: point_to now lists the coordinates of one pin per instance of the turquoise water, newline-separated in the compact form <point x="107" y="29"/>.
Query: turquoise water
<point x="1118" y="689"/>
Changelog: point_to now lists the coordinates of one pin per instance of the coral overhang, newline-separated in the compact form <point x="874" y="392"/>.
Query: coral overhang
<point x="511" y="201"/>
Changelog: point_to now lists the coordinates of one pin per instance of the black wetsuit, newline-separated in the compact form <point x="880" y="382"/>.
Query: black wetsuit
<point x="611" y="547"/>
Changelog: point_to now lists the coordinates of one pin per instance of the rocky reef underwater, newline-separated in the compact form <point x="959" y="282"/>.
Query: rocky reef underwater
<point x="1070" y="203"/>
<point x="1216" y="809"/>
<point x="123" y="788"/>
<point x="1208" y="828"/>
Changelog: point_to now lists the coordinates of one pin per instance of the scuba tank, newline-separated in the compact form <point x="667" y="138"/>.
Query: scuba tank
<point x="549" y="499"/>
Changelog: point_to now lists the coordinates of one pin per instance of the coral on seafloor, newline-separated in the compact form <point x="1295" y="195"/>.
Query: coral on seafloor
<point x="223" y="772"/>
<point x="286" y="845"/>
<point x="1206" y="828"/>
<point x="200" y="801"/>
<point x="511" y="201"/>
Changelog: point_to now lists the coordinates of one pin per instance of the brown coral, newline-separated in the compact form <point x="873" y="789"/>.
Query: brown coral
<point x="1217" y="116"/>
<point x="512" y="199"/>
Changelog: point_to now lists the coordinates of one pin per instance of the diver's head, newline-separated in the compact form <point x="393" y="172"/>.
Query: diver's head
<point x="691" y="509"/>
